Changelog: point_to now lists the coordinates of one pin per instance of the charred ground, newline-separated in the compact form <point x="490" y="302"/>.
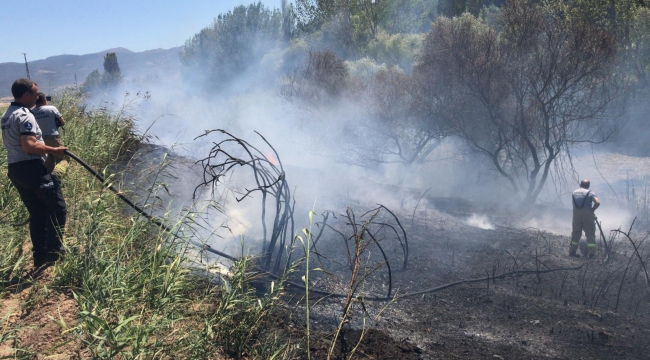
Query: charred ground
<point x="597" y="311"/>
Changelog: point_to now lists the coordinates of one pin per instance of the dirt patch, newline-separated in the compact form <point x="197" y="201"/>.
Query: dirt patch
<point x="44" y="327"/>
<point x="37" y="319"/>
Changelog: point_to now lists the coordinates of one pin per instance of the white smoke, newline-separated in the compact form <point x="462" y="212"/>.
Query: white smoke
<point x="480" y="221"/>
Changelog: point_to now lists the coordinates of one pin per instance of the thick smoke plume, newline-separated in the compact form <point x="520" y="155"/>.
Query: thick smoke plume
<point x="353" y="130"/>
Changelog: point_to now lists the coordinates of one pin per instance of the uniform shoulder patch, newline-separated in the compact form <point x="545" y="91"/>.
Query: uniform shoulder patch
<point x="28" y="126"/>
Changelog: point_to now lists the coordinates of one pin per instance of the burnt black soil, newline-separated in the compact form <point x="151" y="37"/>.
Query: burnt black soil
<point x="600" y="311"/>
<point x="376" y="344"/>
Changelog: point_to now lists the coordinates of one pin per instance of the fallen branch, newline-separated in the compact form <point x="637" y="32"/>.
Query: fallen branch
<point x="516" y="273"/>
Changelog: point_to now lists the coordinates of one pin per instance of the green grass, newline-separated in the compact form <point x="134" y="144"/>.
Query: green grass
<point x="141" y="293"/>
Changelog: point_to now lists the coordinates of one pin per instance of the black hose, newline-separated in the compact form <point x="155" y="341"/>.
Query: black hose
<point x="110" y="187"/>
<point x="604" y="240"/>
<point x="139" y="209"/>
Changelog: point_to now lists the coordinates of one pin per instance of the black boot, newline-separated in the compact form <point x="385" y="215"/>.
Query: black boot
<point x="52" y="257"/>
<point x="40" y="259"/>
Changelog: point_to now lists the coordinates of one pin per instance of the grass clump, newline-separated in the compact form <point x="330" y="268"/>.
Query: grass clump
<point x="141" y="292"/>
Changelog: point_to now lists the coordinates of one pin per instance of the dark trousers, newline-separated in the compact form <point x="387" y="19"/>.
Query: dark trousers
<point x="41" y="194"/>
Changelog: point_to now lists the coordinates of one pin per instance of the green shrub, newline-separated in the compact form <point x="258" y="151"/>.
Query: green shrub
<point x="398" y="49"/>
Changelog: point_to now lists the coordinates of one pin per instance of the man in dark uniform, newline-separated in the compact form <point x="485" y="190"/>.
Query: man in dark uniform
<point x="49" y="119"/>
<point x="26" y="153"/>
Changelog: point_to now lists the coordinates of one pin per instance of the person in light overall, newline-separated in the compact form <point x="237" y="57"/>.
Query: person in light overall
<point x="585" y="202"/>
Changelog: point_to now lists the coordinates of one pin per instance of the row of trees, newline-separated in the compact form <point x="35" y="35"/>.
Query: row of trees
<point x="350" y="26"/>
<point x="235" y="41"/>
<point x="379" y="29"/>
<point x="522" y="92"/>
<point x="520" y="82"/>
<point x="525" y="94"/>
<point x="111" y="77"/>
<point x="239" y="39"/>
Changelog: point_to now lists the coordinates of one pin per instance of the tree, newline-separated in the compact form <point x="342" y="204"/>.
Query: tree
<point x="406" y="16"/>
<point x="108" y="80"/>
<point x="288" y="20"/>
<point x="451" y="8"/>
<point x="111" y="65"/>
<point x="345" y="25"/>
<point x="112" y="74"/>
<point x="234" y="42"/>
<point x="399" y="127"/>
<point x="321" y="79"/>
<point x="525" y="95"/>
<point x="312" y="14"/>
<point x="635" y="70"/>
<point x="370" y="14"/>
<point x="93" y="81"/>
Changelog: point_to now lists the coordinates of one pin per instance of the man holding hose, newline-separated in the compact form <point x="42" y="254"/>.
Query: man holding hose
<point x="585" y="203"/>
<point x="39" y="191"/>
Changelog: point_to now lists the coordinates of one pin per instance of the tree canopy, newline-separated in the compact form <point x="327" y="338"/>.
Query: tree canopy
<point x="235" y="41"/>
<point x="520" y="82"/>
<point x="111" y="77"/>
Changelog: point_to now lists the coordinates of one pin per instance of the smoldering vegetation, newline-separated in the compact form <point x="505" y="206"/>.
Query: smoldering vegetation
<point x="496" y="105"/>
<point x="501" y="106"/>
<point x="341" y="132"/>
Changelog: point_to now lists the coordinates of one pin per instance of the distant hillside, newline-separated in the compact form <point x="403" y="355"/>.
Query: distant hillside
<point x="56" y="72"/>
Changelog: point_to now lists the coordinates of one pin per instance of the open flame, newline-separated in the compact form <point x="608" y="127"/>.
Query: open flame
<point x="269" y="156"/>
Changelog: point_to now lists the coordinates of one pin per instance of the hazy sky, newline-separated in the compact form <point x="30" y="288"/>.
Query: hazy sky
<point x="46" y="28"/>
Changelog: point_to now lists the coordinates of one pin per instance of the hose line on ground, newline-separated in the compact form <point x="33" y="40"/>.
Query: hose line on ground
<point x="207" y="248"/>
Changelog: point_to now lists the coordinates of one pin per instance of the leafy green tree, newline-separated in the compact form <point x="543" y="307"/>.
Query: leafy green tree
<point x="235" y="41"/>
<point x="451" y="8"/>
<point x="92" y="81"/>
<point x="111" y="65"/>
<point x="635" y="70"/>
<point x="638" y="53"/>
<point x="369" y="14"/>
<point x="112" y="74"/>
<point x="397" y="49"/>
<point x="351" y="26"/>
<point x="407" y="16"/>
<point x="108" y="80"/>
<point x="288" y="20"/>
<point x="313" y="14"/>
<point x="344" y="25"/>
